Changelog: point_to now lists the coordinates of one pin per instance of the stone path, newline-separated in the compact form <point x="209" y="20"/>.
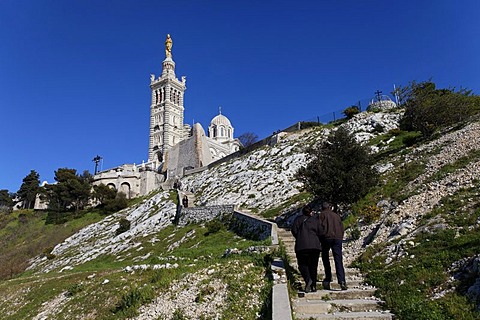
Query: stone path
<point x="358" y="302"/>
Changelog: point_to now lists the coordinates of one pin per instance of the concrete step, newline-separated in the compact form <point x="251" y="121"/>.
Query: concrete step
<point x="355" y="293"/>
<point x="358" y="302"/>
<point x="375" y="315"/>
<point x="306" y="306"/>
<point x="351" y="284"/>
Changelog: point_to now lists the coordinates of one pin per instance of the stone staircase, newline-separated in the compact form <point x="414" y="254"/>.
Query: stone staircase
<point x="358" y="302"/>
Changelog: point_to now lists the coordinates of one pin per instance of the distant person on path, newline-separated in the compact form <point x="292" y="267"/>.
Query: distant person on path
<point x="332" y="240"/>
<point x="185" y="201"/>
<point x="307" y="230"/>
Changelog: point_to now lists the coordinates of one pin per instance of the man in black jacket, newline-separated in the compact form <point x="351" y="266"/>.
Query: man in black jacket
<point x="307" y="230"/>
<point x="332" y="239"/>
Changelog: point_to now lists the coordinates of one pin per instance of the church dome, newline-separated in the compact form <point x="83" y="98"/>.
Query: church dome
<point x="220" y="128"/>
<point x="220" y="120"/>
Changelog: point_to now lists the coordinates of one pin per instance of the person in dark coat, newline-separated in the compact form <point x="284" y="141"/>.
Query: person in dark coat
<point x="185" y="201"/>
<point x="332" y="240"/>
<point x="307" y="230"/>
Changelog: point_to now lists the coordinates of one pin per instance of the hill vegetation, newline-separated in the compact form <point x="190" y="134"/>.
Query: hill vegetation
<point x="414" y="231"/>
<point x="177" y="263"/>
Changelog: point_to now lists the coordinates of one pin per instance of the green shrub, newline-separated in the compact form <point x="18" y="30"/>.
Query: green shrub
<point x="395" y="131"/>
<point x="378" y="128"/>
<point x="428" y="109"/>
<point x="178" y="315"/>
<point x="308" y="124"/>
<point x="411" y="138"/>
<point x="340" y="170"/>
<point x="118" y="203"/>
<point x="355" y="233"/>
<point x="133" y="299"/>
<point x="370" y="213"/>
<point x="351" y="111"/>
<point x="74" y="289"/>
<point x="213" y="226"/>
<point x="47" y="252"/>
<point x="124" y="226"/>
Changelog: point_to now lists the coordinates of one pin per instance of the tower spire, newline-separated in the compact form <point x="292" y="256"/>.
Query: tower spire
<point x="168" y="65"/>
<point x="166" y="108"/>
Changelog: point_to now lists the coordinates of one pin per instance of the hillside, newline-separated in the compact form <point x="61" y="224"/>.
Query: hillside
<point x="415" y="237"/>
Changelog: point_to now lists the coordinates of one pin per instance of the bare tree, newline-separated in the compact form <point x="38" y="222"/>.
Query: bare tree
<point x="248" y="138"/>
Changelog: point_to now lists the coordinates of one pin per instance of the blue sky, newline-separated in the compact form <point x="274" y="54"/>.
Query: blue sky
<point x="75" y="75"/>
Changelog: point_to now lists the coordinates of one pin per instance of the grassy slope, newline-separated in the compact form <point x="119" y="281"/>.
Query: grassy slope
<point x="407" y="284"/>
<point x="101" y="289"/>
<point x="410" y="283"/>
<point x="24" y="235"/>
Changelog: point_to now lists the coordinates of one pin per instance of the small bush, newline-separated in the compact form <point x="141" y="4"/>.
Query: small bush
<point x="124" y="226"/>
<point x="205" y="291"/>
<point x="378" y="128"/>
<point x="411" y="138"/>
<point x="74" y="289"/>
<point x="178" y="315"/>
<point x="370" y="213"/>
<point x="213" y="226"/>
<point x="355" y="233"/>
<point x="395" y="131"/>
<point x="5" y="209"/>
<point x="351" y="111"/>
<point x="308" y="124"/>
<point x="47" y="252"/>
<point x="133" y="299"/>
<point x="118" y="203"/>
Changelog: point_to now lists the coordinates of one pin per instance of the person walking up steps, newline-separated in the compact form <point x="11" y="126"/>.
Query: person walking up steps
<point x="307" y="230"/>
<point x="332" y="240"/>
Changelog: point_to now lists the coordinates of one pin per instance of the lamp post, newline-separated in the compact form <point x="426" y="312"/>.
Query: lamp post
<point x="96" y="160"/>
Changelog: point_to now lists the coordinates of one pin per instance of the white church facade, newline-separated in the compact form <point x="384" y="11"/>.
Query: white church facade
<point x="173" y="145"/>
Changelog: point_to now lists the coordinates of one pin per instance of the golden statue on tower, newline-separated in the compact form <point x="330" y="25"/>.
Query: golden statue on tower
<point x="168" y="47"/>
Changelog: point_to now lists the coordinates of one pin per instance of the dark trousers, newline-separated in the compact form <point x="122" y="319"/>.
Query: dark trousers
<point x="307" y="264"/>
<point x="336" y="246"/>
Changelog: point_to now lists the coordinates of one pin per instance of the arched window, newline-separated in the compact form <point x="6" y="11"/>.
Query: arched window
<point x="230" y="133"/>
<point x="222" y="132"/>
<point x="125" y="188"/>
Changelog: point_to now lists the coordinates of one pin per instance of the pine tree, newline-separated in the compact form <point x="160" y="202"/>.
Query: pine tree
<point x="71" y="191"/>
<point x="6" y="201"/>
<point x="29" y="189"/>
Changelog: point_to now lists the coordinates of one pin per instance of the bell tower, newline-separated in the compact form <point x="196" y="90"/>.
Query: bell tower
<point x="166" y="109"/>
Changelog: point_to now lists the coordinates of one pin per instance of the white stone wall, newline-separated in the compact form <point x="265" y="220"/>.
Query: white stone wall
<point x="190" y="153"/>
<point x="131" y="179"/>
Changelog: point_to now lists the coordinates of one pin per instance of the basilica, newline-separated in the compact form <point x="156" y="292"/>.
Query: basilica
<point x="174" y="146"/>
